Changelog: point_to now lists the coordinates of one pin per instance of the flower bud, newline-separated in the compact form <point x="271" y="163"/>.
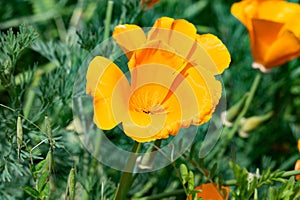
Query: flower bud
<point x="50" y="160"/>
<point x="49" y="131"/>
<point x="230" y="115"/>
<point x="19" y="135"/>
<point x="71" y="185"/>
<point x="251" y="123"/>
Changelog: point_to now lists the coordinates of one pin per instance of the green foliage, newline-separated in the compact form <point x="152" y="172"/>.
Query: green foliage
<point x="44" y="45"/>
<point x="249" y="184"/>
<point x="12" y="45"/>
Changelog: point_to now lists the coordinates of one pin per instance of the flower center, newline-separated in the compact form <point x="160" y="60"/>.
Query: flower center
<point x="148" y="99"/>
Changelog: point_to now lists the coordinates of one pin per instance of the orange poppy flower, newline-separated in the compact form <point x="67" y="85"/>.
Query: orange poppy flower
<point x="273" y="29"/>
<point x="210" y="191"/>
<point x="297" y="167"/>
<point x="149" y="3"/>
<point x="172" y="83"/>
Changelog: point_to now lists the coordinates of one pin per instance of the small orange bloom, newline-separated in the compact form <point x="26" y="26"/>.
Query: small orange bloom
<point x="297" y="167"/>
<point x="274" y="30"/>
<point x="210" y="191"/>
<point x="149" y="3"/>
<point x="172" y="83"/>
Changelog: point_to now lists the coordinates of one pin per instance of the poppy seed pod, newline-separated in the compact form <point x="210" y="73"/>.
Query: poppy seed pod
<point x="251" y="123"/>
<point x="230" y="115"/>
<point x="19" y="134"/>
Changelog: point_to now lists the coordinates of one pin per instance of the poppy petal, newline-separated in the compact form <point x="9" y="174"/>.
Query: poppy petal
<point x="129" y="37"/>
<point x="245" y="11"/>
<point x="171" y="31"/>
<point x="156" y="52"/>
<point x="285" y="48"/>
<point x="216" y="50"/>
<point x="105" y="83"/>
<point x="264" y="34"/>
<point x="210" y="191"/>
<point x="198" y="50"/>
<point x="199" y="94"/>
<point x="278" y="11"/>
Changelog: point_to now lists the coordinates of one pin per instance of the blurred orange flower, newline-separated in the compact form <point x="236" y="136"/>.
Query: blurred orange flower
<point x="172" y="83"/>
<point x="297" y="167"/>
<point x="210" y="191"/>
<point x="274" y="30"/>
<point x="149" y="3"/>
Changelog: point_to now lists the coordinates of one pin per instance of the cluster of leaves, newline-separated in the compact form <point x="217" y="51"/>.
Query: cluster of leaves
<point x="248" y="184"/>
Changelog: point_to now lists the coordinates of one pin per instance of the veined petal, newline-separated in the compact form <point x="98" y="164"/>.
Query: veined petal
<point x="285" y="48"/>
<point x="216" y="50"/>
<point x="108" y="86"/>
<point x="265" y="33"/>
<point x="129" y="37"/>
<point x="195" y="50"/>
<point x="199" y="94"/>
<point x="166" y="23"/>
<point x="155" y="52"/>
<point x="172" y="31"/>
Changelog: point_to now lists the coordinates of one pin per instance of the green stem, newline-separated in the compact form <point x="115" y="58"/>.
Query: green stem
<point x="164" y="195"/>
<point x="30" y="96"/>
<point x="290" y="173"/>
<point x="284" y="175"/>
<point x="127" y="175"/>
<point x="229" y="133"/>
<point x="108" y="19"/>
<point x="246" y="106"/>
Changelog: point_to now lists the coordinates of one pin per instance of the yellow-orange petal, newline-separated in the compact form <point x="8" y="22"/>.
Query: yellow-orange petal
<point x="278" y="11"/>
<point x="265" y="33"/>
<point x="129" y="37"/>
<point x="245" y="11"/>
<point x="179" y="34"/>
<point x="166" y="23"/>
<point x="108" y="86"/>
<point x="284" y="49"/>
<point x="156" y="52"/>
<point x="298" y="144"/>
<point x="210" y="191"/>
<point x="297" y="167"/>
<point x="216" y="50"/>
<point x="199" y="96"/>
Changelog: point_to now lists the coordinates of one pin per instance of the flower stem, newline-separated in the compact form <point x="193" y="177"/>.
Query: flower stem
<point x="247" y="105"/>
<point x="229" y="133"/>
<point x="173" y="193"/>
<point x="108" y="19"/>
<point x="127" y="176"/>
